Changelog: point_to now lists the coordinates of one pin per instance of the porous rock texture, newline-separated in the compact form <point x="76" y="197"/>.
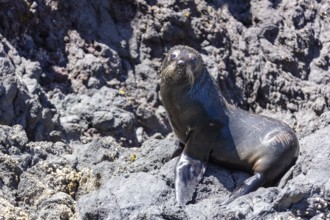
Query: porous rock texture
<point x="83" y="133"/>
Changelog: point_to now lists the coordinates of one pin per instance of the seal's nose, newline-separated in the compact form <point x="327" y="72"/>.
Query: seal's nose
<point x="180" y="63"/>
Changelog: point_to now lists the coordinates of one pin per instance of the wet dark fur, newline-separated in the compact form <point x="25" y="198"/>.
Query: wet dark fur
<point x="211" y="129"/>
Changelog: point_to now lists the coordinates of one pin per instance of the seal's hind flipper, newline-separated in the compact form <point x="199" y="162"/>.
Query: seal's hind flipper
<point x="249" y="185"/>
<point x="188" y="173"/>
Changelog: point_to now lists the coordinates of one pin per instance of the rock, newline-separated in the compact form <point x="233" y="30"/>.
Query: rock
<point x="93" y="111"/>
<point x="31" y="191"/>
<point x="104" y="206"/>
<point x="18" y="106"/>
<point x="122" y="197"/>
<point x="153" y="121"/>
<point x="9" y="211"/>
<point x="59" y="205"/>
<point x="82" y="124"/>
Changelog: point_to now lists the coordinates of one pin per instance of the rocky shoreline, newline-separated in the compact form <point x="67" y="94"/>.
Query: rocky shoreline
<point x="84" y="135"/>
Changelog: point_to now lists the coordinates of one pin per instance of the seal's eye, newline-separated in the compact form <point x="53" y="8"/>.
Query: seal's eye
<point x="172" y="56"/>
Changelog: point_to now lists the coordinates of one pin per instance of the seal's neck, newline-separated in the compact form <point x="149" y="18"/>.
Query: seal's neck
<point x="204" y="83"/>
<point x="207" y="87"/>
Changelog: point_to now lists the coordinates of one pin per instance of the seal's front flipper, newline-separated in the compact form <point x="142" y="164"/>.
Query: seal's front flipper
<point x="249" y="185"/>
<point x="188" y="173"/>
<point x="178" y="149"/>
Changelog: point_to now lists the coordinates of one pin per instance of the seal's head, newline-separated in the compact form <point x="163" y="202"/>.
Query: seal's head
<point x="182" y="64"/>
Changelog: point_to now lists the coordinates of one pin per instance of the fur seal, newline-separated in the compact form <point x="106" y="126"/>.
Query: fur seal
<point x="209" y="129"/>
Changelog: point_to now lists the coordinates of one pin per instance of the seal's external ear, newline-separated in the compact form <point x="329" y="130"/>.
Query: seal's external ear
<point x="188" y="173"/>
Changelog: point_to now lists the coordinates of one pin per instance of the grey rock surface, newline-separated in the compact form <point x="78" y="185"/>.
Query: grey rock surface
<point x="141" y="192"/>
<point x="84" y="135"/>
